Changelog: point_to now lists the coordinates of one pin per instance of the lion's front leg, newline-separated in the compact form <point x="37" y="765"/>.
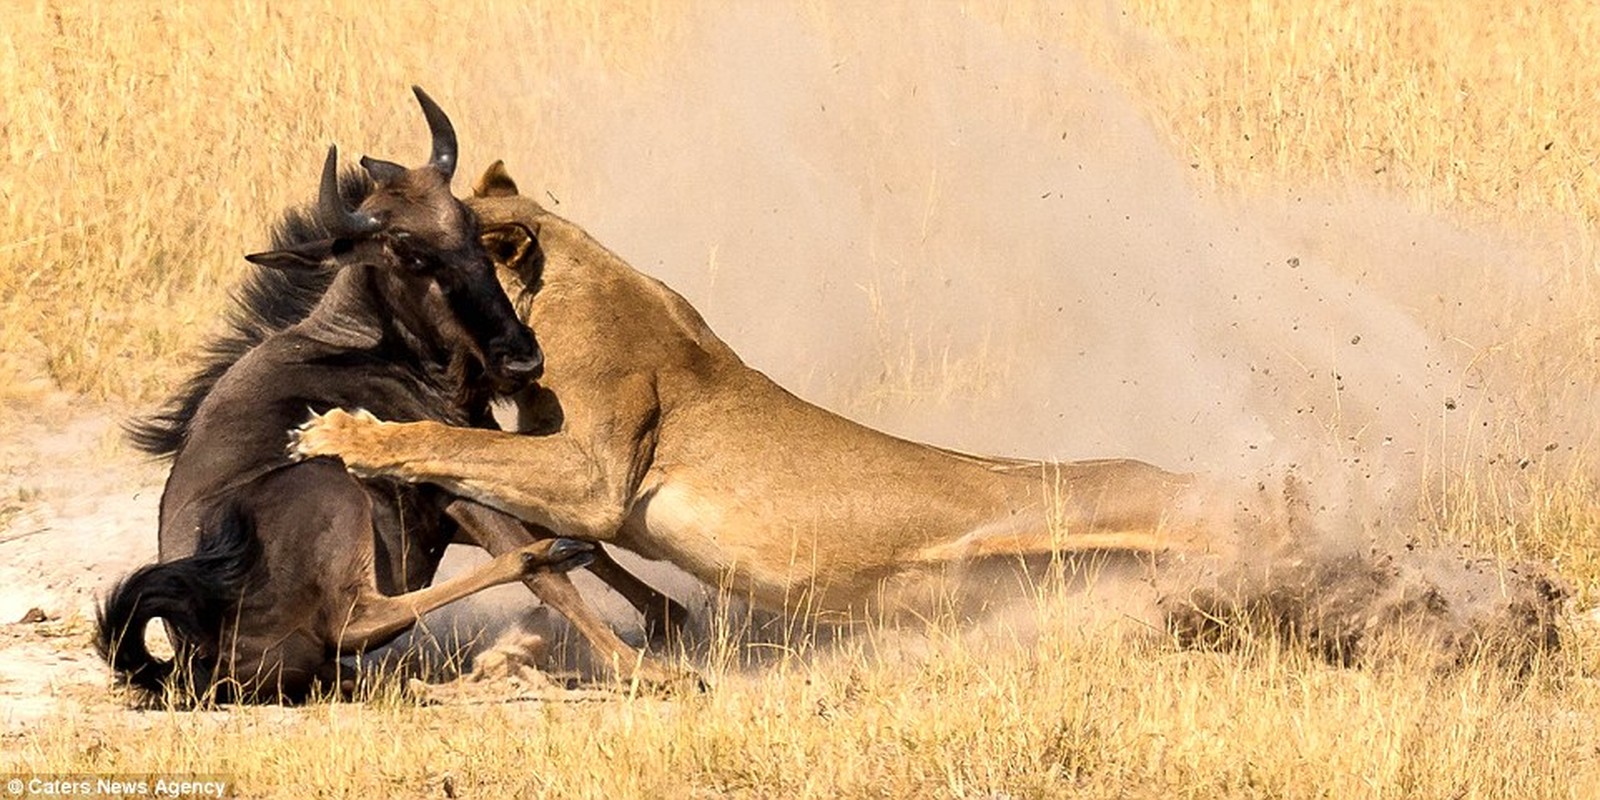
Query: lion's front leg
<point x="358" y="438"/>
<point x="575" y="485"/>
<point x="416" y="452"/>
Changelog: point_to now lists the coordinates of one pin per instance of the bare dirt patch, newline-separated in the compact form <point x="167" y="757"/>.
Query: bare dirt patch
<point x="77" y="510"/>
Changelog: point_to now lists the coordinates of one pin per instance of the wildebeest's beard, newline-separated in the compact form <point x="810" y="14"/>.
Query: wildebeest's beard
<point x="442" y="336"/>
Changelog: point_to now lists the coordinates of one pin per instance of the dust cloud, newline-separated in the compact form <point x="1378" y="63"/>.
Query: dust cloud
<point x="967" y="236"/>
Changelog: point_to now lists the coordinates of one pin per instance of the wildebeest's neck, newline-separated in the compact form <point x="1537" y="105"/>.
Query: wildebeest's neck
<point x="352" y="350"/>
<point x="363" y="315"/>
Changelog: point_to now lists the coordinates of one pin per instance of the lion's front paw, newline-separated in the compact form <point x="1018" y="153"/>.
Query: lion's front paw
<point x="339" y="434"/>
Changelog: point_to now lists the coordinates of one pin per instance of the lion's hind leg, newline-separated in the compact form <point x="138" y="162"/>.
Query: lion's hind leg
<point x="1047" y="541"/>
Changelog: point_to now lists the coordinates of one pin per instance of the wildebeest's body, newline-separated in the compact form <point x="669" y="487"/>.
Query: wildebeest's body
<point x="233" y="456"/>
<point x="269" y="570"/>
<point x="241" y="430"/>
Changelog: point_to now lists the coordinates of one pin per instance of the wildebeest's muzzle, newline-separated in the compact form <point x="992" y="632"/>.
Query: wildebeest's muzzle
<point x="510" y="353"/>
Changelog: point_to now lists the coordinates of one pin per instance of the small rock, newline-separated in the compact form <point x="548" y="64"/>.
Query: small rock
<point x="34" y="616"/>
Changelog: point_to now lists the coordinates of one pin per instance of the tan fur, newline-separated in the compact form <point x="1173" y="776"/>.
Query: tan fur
<point x="671" y="446"/>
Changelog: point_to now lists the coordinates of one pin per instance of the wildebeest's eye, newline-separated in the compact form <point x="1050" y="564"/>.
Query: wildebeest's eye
<point x="409" y="256"/>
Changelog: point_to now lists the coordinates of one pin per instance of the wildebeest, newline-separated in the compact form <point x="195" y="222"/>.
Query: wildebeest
<point x="270" y="571"/>
<point x="671" y="446"/>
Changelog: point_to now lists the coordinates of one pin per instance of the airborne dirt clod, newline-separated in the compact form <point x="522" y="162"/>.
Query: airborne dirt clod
<point x="1437" y="604"/>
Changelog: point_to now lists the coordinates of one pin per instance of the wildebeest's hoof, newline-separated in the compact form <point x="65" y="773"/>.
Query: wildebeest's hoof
<point x="560" y="555"/>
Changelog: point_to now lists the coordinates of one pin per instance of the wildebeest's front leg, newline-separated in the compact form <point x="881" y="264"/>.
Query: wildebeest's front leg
<point x="497" y="533"/>
<point x="374" y="619"/>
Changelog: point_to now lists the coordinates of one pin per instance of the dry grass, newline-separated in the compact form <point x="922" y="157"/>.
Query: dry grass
<point x="1481" y="110"/>
<point x="1071" y="715"/>
<point x="146" y="144"/>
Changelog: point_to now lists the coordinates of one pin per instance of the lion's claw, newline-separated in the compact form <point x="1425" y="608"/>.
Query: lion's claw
<point x="331" y="434"/>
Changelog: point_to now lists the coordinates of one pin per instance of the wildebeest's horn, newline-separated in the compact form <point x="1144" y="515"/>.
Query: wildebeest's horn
<point x="339" y="220"/>
<point x="444" y="135"/>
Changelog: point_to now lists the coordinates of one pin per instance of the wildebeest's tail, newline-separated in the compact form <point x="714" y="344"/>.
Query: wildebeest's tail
<point x="194" y="596"/>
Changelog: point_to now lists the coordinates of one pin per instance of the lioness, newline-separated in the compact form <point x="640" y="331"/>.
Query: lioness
<point x="664" y="442"/>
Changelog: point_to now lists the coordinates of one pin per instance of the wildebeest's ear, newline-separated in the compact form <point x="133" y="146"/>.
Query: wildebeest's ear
<point x="310" y="255"/>
<point x="496" y="182"/>
<point x="380" y="170"/>
<point x="508" y="244"/>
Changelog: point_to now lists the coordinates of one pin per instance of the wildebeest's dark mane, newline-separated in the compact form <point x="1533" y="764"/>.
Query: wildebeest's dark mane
<point x="267" y="301"/>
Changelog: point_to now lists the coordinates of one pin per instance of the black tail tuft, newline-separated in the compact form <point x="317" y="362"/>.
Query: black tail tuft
<point x="193" y="595"/>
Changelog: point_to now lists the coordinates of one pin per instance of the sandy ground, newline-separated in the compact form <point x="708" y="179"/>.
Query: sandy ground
<point x="77" y="510"/>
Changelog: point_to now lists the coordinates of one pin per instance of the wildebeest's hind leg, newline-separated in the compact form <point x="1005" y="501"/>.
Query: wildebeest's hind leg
<point x="664" y="617"/>
<point x="498" y="532"/>
<point x="374" y="619"/>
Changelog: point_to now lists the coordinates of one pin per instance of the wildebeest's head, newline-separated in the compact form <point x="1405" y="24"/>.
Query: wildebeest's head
<point x="429" y="263"/>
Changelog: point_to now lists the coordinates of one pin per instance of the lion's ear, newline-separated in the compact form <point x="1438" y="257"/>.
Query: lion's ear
<point x="496" y="182"/>
<point x="508" y="245"/>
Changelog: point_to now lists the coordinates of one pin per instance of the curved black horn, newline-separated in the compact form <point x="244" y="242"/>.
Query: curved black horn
<point x="444" y="135"/>
<point x="339" y="220"/>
